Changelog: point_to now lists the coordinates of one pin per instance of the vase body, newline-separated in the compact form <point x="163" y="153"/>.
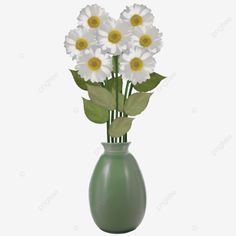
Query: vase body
<point x="117" y="191"/>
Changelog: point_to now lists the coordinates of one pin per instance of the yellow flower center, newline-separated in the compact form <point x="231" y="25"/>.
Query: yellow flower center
<point x="94" y="64"/>
<point x="81" y="44"/>
<point x="145" y="40"/>
<point x="136" y="64"/>
<point x="114" y="36"/>
<point x="136" y="20"/>
<point x="94" y="21"/>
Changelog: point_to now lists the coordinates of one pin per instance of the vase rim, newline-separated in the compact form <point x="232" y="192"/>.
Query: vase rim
<point x="116" y="147"/>
<point x="106" y="143"/>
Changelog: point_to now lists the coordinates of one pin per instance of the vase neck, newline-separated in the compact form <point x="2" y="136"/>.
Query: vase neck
<point x="114" y="148"/>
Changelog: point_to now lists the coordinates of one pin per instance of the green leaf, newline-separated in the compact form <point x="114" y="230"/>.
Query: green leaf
<point x="80" y="81"/>
<point x="110" y="84"/>
<point x="95" y="113"/>
<point x="149" y="84"/>
<point x="101" y="97"/>
<point x="121" y="99"/>
<point x="136" y="103"/>
<point x="120" y="126"/>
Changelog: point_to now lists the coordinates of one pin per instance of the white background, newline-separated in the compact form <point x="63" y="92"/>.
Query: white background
<point x="184" y="142"/>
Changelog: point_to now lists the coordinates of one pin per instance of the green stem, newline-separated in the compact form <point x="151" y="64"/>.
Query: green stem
<point x="125" y="115"/>
<point x="115" y="62"/>
<point x="121" y="137"/>
<point x="113" y="140"/>
<point x="112" y="118"/>
<point x="129" y="87"/>
<point x="117" y="96"/>
<point x="121" y="115"/>
<point x="126" y="93"/>
<point x="108" y="122"/>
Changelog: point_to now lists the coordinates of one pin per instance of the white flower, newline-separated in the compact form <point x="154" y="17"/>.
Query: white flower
<point x="94" y="65"/>
<point x="147" y="38"/>
<point x="137" y="65"/>
<point x="79" y="40"/>
<point x="114" y="36"/>
<point x="92" y="17"/>
<point x="137" y="15"/>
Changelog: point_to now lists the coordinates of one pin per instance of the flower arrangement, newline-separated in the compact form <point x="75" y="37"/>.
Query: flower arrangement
<point x="114" y="58"/>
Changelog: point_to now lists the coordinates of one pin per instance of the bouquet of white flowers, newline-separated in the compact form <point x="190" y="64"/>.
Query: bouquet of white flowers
<point x="113" y="57"/>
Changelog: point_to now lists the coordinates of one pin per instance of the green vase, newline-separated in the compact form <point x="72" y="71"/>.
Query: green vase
<point x="117" y="192"/>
